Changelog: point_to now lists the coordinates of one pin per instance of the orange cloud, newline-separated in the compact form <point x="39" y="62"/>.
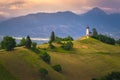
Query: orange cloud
<point x="22" y="7"/>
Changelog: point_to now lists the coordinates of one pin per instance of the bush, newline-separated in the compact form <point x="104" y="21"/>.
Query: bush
<point x="22" y="42"/>
<point x="8" y="43"/>
<point x="43" y="72"/>
<point x="67" y="46"/>
<point x="51" y="46"/>
<point x="118" y="42"/>
<point x="57" y="68"/>
<point x="46" y="57"/>
<point x="105" y="39"/>
<point x="112" y="76"/>
<point x="68" y="38"/>
<point x="34" y="44"/>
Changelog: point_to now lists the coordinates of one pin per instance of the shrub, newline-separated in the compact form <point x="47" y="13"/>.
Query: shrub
<point x="57" y="68"/>
<point x="111" y="76"/>
<point x="51" y="46"/>
<point x="22" y="42"/>
<point x="68" y="38"/>
<point x="103" y="38"/>
<point x="118" y="42"/>
<point x="34" y="44"/>
<point x="8" y="43"/>
<point x="67" y="46"/>
<point x="46" y="57"/>
<point x="43" y="72"/>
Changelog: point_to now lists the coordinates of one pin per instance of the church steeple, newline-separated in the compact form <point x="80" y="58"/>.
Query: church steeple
<point x="87" y="31"/>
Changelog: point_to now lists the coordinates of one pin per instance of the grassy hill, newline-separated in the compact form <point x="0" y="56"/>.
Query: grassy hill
<point x="90" y="58"/>
<point x="24" y="65"/>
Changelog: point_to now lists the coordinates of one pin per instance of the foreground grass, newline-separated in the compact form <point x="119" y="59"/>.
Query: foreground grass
<point x="5" y="74"/>
<point x="91" y="58"/>
<point x="24" y="64"/>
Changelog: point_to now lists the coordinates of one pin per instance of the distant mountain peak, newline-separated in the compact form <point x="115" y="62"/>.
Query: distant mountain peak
<point x="96" y="11"/>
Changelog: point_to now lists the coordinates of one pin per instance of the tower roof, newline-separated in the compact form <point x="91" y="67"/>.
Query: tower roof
<point x="87" y="27"/>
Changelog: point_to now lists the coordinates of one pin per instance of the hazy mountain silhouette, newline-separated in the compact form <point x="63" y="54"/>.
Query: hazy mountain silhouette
<point x="63" y="23"/>
<point x="2" y="18"/>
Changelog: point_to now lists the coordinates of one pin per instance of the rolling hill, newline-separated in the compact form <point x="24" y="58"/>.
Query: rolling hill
<point x="90" y="58"/>
<point x="63" y="23"/>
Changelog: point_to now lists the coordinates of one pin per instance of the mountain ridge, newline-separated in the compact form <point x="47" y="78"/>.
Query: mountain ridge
<point x="63" y="23"/>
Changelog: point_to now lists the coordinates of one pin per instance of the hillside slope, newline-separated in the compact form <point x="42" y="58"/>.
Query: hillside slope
<point x="24" y="65"/>
<point x="89" y="59"/>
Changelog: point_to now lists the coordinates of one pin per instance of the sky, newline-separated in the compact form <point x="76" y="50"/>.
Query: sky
<point x="12" y="8"/>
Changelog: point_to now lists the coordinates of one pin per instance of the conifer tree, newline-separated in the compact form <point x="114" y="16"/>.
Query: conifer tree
<point x="52" y="37"/>
<point x="28" y="42"/>
<point x="95" y="33"/>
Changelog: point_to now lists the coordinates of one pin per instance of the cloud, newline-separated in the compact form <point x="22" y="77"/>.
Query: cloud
<point x="22" y="7"/>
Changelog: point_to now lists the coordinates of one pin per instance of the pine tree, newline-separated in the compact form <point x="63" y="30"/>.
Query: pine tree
<point x="95" y="33"/>
<point x="52" y="37"/>
<point x="28" y="42"/>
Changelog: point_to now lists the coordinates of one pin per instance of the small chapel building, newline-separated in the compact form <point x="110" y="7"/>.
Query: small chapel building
<point x="88" y="32"/>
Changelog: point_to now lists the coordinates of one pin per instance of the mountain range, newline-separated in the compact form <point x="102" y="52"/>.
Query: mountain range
<point x="62" y="23"/>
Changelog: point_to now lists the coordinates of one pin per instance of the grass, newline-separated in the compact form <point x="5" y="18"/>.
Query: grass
<point x="5" y="74"/>
<point x="89" y="59"/>
<point x="24" y="64"/>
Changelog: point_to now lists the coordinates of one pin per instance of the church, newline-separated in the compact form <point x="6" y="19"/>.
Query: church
<point x="88" y="32"/>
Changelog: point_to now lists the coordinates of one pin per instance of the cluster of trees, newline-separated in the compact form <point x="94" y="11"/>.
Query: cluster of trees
<point x="67" y="45"/>
<point x="103" y="38"/>
<point x="59" y="39"/>
<point x="118" y="42"/>
<point x="66" y="42"/>
<point x="8" y="43"/>
<point x="112" y="76"/>
<point x="54" y="38"/>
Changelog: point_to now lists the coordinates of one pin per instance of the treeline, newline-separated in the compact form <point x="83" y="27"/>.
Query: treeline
<point x="8" y="43"/>
<point x="103" y="38"/>
<point x="66" y="43"/>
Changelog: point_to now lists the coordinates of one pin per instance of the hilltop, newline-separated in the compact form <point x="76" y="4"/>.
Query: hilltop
<point x="89" y="58"/>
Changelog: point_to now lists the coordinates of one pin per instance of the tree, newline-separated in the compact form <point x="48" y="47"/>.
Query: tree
<point x="57" y="68"/>
<point x="28" y="42"/>
<point x="22" y="42"/>
<point x="8" y="43"/>
<point x="67" y="46"/>
<point x="118" y="42"/>
<point x="68" y="38"/>
<point x="95" y="33"/>
<point x="52" y="37"/>
<point x="34" y="44"/>
<point x="43" y="72"/>
<point x="46" y="57"/>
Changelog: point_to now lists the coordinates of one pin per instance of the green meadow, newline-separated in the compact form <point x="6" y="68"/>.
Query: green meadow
<point x="88" y="59"/>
